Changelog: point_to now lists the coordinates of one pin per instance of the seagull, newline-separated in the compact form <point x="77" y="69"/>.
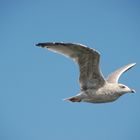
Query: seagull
<point x="94" y="88"/>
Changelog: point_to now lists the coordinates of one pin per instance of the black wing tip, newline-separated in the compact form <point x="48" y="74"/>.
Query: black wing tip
<point x="50" y="44"/>
<point x="47" y="44"/>
<point x="60" y="43"/>
<point x="38" y="44"/>
<point x="41" y="44"/>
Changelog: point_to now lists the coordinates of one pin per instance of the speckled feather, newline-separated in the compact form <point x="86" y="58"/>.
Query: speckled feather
<point x="94" y="88"/>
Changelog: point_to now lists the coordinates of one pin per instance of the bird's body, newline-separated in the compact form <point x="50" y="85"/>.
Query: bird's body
<point x="102" y="95"/>
<point x="94" y="88"/>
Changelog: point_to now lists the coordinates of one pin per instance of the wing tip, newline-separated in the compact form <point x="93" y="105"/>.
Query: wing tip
<point x="46" y="44"/>
<point x="132" y="65"/>
<point x="40" y="44"/>
<point x="49" y="44"/>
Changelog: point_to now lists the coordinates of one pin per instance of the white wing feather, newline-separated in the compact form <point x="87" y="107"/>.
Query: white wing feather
<point x="114" y="77"/>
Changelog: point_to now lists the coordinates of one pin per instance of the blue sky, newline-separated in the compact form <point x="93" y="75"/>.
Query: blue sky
<point x="34" y="81"/>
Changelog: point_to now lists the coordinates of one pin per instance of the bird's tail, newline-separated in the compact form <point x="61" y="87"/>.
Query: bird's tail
<point x="73" y="99"/>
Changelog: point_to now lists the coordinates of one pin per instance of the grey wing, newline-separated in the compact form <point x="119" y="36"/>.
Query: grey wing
<point x="114" y="77"/>
<point x="87" y="59"/>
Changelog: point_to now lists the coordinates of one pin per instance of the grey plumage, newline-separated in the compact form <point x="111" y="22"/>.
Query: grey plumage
<point x="94" y="87"/>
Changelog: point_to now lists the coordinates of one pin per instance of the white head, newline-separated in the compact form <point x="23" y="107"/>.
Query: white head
<point x="124" y="89"/>
<point x="114" y="77"/>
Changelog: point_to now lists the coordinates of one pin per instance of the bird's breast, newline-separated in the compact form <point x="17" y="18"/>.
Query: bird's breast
<point x="100" y="97"/>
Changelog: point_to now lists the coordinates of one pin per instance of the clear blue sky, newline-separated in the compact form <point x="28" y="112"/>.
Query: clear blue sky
<point x="33" y="82"/>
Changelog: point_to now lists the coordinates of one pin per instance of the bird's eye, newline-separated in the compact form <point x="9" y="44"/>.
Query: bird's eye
<point x="122" y="86"/>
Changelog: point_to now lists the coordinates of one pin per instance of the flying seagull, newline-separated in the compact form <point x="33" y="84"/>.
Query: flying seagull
<point x="94" y="88"/>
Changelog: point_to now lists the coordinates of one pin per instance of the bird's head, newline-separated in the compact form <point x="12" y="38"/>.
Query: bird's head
<point x="124" y="89"/>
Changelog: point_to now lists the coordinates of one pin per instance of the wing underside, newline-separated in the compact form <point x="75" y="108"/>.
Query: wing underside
<point x="86" y="58"/>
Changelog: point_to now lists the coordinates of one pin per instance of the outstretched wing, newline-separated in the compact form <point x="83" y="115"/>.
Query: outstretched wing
<point x="87" y="59"/>
<point x="114" y="77"/>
